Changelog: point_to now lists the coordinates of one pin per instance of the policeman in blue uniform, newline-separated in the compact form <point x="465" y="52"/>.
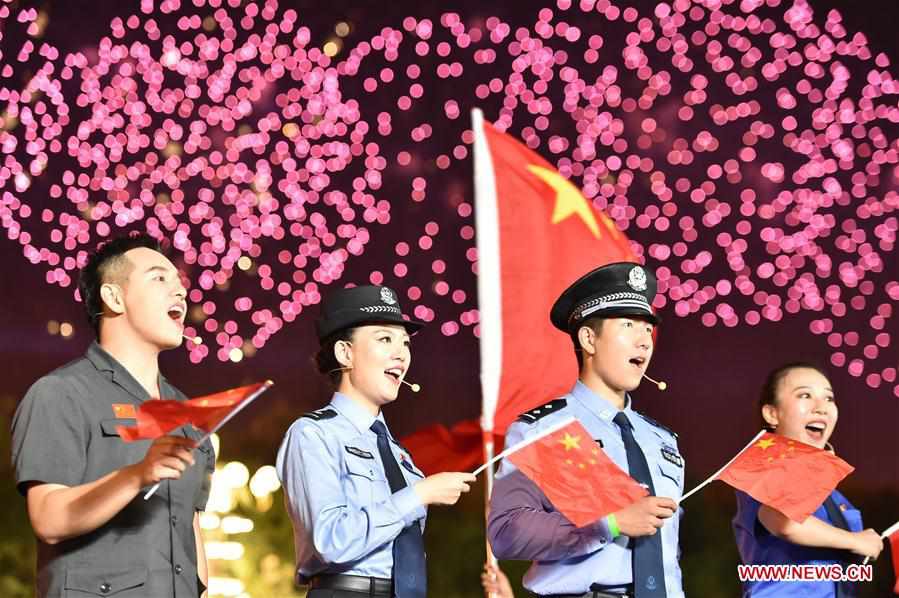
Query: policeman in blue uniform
<point x="353" y="493"/>
<point x="633" y="552"/>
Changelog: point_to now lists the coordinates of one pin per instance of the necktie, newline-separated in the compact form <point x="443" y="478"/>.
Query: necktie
<point x="409" y="569"/>
<point x="844" y="590"/>
<point x="649" y="572"/>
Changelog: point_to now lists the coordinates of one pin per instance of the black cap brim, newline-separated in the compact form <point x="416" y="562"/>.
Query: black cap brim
<point x="352" y="318"/>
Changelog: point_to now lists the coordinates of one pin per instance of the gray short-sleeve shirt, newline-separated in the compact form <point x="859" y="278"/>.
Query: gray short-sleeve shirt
<point x="64" y="432"/>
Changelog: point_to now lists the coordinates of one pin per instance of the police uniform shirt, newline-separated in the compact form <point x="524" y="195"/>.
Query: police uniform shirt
<point x="524" y="525"/>
<point x="758" y="546"/>
<point x="64" y="432"/>
<point x="337" y="495"/>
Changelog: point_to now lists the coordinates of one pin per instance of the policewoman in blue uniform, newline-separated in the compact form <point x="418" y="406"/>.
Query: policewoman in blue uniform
<point x="797" y="401"/>
<point x="356" y="499"/>
<point x="633" y="552"/>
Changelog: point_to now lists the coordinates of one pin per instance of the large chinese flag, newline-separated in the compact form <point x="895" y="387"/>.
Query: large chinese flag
<point x="787" y="475"/>
<point x="208" y="413"/>
<point x="536" y="235"/>
<point x="576" y="475"/>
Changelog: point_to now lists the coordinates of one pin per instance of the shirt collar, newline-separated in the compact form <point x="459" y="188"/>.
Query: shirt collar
<point x="358" y="416"/>
<point x="104" y="362"/>
<point x="598" y="405"/>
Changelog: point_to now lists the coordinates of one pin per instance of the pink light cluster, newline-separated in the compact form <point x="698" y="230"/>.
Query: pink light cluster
<point x="748" y="149"/>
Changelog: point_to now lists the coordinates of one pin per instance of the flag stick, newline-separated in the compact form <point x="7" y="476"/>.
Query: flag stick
<point x="717" y="473"/>
<point x="517" y="447"/>
<point x="488" y="491"/>
<point x="490" y="343"/>
<point x="886" y="534"/>
<point x="265" y="386"/>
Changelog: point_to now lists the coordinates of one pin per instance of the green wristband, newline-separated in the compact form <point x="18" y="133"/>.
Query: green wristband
<point x="613" y="526"/>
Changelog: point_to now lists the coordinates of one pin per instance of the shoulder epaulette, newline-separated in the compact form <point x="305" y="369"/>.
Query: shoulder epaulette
<point x="657" y="424"/>
<point x="542" y="411"/>
<point x="320" y="414"/>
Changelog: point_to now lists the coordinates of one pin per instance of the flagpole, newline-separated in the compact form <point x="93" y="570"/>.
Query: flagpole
<point x="717" y="473"/>
<point x="886" y="534"/>
<point x="489" y="297"/>
<point x="265" y="386"/>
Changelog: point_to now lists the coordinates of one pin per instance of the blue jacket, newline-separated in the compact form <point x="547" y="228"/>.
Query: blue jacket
<point x="757" y="546"/>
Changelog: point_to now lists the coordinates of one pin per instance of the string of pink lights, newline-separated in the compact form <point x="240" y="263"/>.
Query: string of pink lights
<point x="748" y="148"/>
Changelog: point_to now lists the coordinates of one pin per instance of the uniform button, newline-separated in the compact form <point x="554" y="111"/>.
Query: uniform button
<point x="178" y="569"/>
<point x="174" y="519"/>
<point x="105" y="588"/>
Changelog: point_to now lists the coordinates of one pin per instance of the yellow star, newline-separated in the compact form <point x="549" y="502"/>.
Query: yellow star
<point x="204" y="403"/>
<point x="581" y="465"/>
<point x="592" y="461"/>
<point x="570" y="442"/>
<point x="569" y="200"/>
<point x="765" y="443"/>
<point x="595" y="451"/>
<point x="569" y="461"/>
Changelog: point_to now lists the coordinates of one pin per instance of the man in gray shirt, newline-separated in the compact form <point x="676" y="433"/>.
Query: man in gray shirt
<point x="83" y="485"/>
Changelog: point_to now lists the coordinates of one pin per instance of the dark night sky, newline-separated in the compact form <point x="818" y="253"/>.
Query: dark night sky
<point x="713" y="373"/>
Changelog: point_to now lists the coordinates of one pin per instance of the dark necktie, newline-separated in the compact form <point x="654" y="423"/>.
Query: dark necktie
<point x="844" y="590"/>
<point x="409" y="569"/>
<point x="649" y="571"/>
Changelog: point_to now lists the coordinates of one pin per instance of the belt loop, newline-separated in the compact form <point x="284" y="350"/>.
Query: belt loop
<point x="371" y="586"/>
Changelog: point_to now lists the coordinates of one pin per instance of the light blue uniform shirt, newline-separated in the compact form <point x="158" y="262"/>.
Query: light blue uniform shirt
<point x="523" y="524"/>
<point x="337" y="495"/>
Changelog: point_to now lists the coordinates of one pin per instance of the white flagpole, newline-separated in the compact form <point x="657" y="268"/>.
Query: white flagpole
<point x="489" y="296"/>
<point x="717" y="473"/>
<point x="886" y="534"/>
<point x="489" y="275"/>
<point x="265" y="386"/>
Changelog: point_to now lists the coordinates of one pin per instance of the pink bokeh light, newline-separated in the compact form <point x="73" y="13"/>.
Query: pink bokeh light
<point x="748" y="149"/>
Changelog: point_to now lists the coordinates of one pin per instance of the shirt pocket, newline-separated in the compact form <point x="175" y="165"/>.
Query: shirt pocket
<point x="108" y="427"/>
<point x="671" y="480"/>
<point x="105" y="582"/>
<point x="366" y="481"/>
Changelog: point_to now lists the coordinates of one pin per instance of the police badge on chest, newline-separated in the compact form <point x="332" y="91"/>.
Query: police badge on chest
<point x="671" y="455"/>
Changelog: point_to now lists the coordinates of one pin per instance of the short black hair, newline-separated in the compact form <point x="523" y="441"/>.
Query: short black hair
<point x="768" y="394"/>
<point x="326" y="361"/>
<point x="595" y="324"/>
<point x="94" y="274"/>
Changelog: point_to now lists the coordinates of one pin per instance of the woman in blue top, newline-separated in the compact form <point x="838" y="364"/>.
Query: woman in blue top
<point x="797" y="401"/>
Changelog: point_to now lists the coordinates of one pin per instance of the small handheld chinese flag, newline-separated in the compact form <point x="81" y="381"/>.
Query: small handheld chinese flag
<point x="208" y="413"/>
<point x="576" y="475"/>
<point x="787" y="475"/>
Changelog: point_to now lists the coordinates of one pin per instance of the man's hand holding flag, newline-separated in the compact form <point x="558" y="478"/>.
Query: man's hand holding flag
<point x="574" y="473"/>
<point x="156" y="418"/>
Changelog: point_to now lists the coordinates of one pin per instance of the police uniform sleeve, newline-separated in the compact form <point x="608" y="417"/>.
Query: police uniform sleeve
<point x="49" y="437"/>
<point x="524" y="525"/>
<point x="341" y="532"/>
